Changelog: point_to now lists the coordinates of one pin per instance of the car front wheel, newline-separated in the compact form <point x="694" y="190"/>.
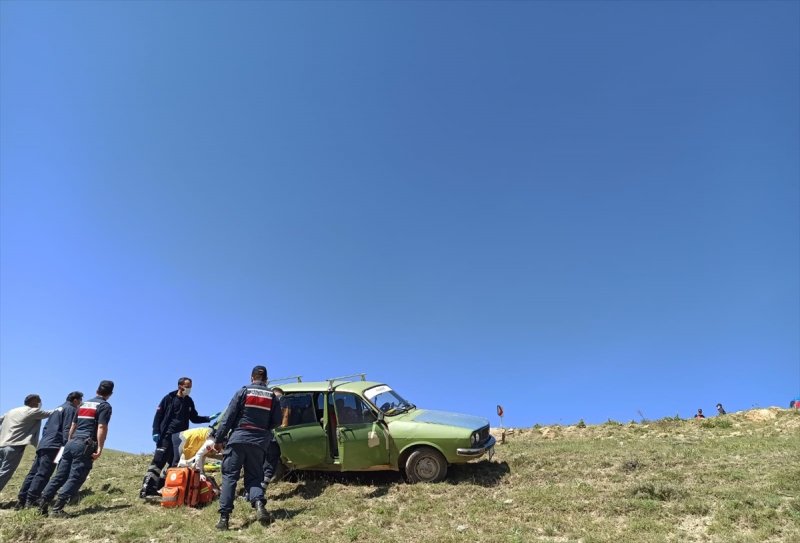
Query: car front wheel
<point x="425" y="465"/>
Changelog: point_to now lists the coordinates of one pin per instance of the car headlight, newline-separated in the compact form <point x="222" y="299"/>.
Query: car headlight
<point x="475" y="438"/>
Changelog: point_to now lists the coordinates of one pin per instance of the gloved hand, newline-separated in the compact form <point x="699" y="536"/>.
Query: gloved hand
<point x="214" y="416"/>
<point x="156" y="437"/>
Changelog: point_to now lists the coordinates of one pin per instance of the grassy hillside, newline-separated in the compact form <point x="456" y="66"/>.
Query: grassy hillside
<point x="727" y="479"/>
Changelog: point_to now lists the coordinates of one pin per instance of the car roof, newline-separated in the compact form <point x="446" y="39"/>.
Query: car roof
<point x="356" y="387"/>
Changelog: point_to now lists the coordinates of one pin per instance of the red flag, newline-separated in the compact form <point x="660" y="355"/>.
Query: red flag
<point x="499" y="410"/>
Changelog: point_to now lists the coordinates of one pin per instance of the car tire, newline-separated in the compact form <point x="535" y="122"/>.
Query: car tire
<point x="425" y="465"/>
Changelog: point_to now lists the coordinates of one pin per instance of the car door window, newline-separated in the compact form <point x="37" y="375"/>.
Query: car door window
<point x="300" y="408"/>
<point x="351" y="409"/>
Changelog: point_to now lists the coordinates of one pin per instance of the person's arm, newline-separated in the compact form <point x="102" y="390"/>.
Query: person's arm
<point x="194" y="416"/>
<point x="71" y="430"/>
<point x="232" y="414"/>
<point x="159" y="416"/>
<point x="102" y="432"/>
<point x="66" y="424"/>
<point x="199" y="460"/>
<point x="38" y="413"/>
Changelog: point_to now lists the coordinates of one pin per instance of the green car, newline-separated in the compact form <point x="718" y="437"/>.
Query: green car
<point x="360" y="425"/>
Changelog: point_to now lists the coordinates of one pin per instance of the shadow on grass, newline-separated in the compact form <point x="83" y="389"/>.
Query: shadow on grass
<point x="313" y="483"/>
<point x="8" y="504"/>
<point x="277" y="515"/>
<point x="310" y="484"/>
<point x="94" y="509"/>
<point x="483" y="473"/>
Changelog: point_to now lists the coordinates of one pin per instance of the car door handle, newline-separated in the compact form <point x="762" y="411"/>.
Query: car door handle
<point x="284" y="435"/>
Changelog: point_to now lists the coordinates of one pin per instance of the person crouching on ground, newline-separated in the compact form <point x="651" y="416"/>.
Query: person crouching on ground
<point x="247" y="427"/>
<point x="195" y="445"/>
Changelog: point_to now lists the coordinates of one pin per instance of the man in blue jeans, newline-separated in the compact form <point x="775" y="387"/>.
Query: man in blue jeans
<point x="87" y="437"/>
<point x="247" y="427"/>
<point x="54" y="436"/>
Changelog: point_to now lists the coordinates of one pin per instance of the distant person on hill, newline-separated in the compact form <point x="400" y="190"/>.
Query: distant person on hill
<point x="172" y="417"/>
<point x="19" y="427"/>
<point x="720" y="409"/>
<point x="87" y="437"/>
<point x="54" y="436"/>
<point x="699" y="414"/>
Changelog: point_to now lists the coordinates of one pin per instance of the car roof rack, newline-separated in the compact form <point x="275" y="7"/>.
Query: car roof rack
<point x="298" y="378"/>
<point x="346" y="379"/>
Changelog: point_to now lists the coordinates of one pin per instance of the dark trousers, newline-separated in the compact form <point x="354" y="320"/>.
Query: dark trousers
<point x="41" y="470"/>
<point x="73" y="469"/>
<point x="236" y="456"/>
<point x="271" y="460"/>
<point x="164" y="454"/>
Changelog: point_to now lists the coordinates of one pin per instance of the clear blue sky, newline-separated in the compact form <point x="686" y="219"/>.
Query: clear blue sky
<point x="576" y="210"/>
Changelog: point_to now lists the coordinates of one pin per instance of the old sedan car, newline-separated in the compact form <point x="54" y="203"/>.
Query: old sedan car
<point x="360" y="425"/>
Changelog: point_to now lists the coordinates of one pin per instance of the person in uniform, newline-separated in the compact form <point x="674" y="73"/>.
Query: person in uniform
<point x="172" y="417"/>
<point x="247" y="428"/>
<point x="87" y="437"/>
<point x="54" y="436"/>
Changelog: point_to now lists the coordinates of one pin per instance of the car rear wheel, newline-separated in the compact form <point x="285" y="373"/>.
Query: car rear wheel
<point x="425" y="465"/>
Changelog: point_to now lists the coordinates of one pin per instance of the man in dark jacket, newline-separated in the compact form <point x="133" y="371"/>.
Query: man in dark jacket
<point x="172" y="417"/>
<point x="87" y="437"/>
<point x="247" y="427"/>
<point x="54" y="436"/>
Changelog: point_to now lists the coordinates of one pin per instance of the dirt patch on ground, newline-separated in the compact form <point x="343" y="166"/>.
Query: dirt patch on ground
<point x="762" y="414"/>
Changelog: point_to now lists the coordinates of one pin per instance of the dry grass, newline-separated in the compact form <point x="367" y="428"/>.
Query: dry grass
<point x="731" y="479"/>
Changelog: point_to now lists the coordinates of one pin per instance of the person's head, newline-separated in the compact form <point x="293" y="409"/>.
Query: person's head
<point x="184" y="386"/>
<point x="259" y="374"/>
<point x="278" y="391"/>
<point x="75" y="398"/>
<point x="699" y="411"/>
<point x="719" y="406"/>
<point x="105" y="389"/>
<point x="33" y="400"/>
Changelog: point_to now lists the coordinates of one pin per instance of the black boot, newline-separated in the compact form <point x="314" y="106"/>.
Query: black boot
<point x="43" y="506"/>
<point x="262" y="514"/>
<point x="150" y="485"/>
<point x="20" y="503"/>
<point x="58" y="508"/>
<point x="222" y="523"/>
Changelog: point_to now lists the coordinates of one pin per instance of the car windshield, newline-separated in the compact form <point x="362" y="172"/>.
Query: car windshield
<point x="387" y="400"/>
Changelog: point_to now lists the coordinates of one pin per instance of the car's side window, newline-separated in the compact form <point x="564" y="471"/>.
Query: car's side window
<point x="300" y="408"/>
<point x="351" y="409"/>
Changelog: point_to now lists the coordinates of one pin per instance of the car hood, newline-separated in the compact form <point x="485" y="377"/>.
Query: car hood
<point x="446" y="418"/>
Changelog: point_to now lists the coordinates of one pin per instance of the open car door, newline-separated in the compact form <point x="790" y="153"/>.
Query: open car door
<point x="303" y="441"/>
<point x="363" y="441"/>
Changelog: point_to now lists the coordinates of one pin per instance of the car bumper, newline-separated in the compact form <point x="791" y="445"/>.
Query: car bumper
<point x="477" y="451"/>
